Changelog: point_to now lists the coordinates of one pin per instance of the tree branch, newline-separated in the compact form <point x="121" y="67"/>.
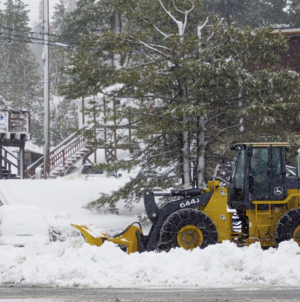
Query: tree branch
<point x="220" y="133"/>
<point x="214" y="32"/>
<point x="144" y="20"/>
<point x="152" y="48"/>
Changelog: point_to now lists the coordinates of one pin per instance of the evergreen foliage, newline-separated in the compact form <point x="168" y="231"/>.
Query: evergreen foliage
<point x="89" y="16"/>
<point x="294" y="13"/>
<point x="63" y="113"/>
<point x="187" y="85"/>
<point x="20" y="85"/>
<point x="255" y="13"/>
<point x="63" y="120"/>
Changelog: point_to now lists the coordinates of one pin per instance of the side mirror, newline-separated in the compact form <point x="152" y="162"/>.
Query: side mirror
<point x="251" y="183"/>
<point x="119" y="175"/>
<point x="298" y="163"/>
<point x="250" y="150"/>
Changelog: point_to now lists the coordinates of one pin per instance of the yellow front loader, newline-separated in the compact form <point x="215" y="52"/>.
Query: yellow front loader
<point x="260" y="203"/>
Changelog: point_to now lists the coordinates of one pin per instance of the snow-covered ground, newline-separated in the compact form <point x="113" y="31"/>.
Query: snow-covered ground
<point x="75" y="263"/>
<point x="62" y="199"/>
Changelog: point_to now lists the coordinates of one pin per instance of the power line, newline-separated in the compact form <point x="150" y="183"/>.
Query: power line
<point x="29" y="40"/>
<point x="36" y="38"/>
<point x="39" y="82"/>
<point x="48" y="34"/>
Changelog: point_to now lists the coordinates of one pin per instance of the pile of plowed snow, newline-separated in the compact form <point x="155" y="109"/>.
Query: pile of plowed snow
<point x="75" y="263"/>
<point x="62" y="200"/>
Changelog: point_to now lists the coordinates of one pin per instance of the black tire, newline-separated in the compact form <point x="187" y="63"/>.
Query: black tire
<point x="182" y="218"/>
<point x="286" y="226"/>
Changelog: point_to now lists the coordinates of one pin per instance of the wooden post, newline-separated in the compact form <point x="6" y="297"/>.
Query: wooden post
<point x="115" y="129"/>
<point x="82" y="110"/>
<point x="129" y="128"/>
<point x="5" y="155"/>
<point x="95" y="134"/>
<point x="1" y="162"/>
<point x="104" y="111"/>
<point x="46" y="96"/>
<point x="22" y="162"/>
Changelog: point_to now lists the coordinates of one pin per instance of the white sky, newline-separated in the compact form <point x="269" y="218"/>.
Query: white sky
<point x="33" y="7"/>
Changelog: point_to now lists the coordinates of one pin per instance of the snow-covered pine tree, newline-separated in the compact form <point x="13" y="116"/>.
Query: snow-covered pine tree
<point x="294" y="13"/>
<point x="58" y="53"/>
<point x="255" y="13"/>
<point x="63" y="111"/>
<point x="20" y="84"/>
<point x="88" y="16"/>
<point x="37" y="47"/>
<point x="189" y="85"/>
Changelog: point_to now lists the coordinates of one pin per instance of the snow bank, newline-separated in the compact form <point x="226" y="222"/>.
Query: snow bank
<point x="62" y="200"/>
<point x="75" y="263"/>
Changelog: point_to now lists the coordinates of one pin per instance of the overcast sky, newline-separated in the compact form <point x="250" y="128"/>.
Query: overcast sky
<point x="33" y="7"/>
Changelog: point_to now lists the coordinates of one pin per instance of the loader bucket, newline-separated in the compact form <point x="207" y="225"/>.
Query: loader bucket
<point x="126" y="240"/>
<point x="89" y="235"/>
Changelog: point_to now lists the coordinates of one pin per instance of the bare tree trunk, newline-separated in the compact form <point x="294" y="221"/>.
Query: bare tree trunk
<point x="10" y="48"/>
<point x="186" y="159"/>
<point x="186" y="164"/>
<point x="116" y="27"/>
<point x="116" y="23"/>
<point x="201" y="153"/>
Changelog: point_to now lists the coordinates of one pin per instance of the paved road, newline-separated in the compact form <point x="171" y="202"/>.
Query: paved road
<point x="47" y="293"/>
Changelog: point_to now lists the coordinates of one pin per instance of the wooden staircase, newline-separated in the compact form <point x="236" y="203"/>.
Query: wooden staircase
<point x="64" y="155"/>
<point x="6" y="164"/>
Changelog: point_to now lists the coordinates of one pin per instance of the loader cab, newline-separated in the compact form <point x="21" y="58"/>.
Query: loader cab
<point x="258" y="173"/>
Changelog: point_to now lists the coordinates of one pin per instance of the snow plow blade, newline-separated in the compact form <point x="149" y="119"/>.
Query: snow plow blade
<point x="126" y="240"/>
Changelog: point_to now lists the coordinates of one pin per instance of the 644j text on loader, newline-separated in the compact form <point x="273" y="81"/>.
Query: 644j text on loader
<point x="266" y="200"/>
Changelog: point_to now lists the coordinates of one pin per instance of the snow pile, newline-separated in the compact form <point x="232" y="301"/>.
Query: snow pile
<point x="75" y="263"/>
<point x="62" y="201"/>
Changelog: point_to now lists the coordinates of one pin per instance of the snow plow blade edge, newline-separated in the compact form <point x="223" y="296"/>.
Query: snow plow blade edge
<point x="126" y="240"/>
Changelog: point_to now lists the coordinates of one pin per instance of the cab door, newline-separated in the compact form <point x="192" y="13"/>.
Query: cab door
<point x="259" y="176"/>
<point x="267" y="179"/>
<point x="277" y="174"/>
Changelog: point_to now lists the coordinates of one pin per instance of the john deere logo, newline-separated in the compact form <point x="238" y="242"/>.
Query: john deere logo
<point x="278" y="190"/>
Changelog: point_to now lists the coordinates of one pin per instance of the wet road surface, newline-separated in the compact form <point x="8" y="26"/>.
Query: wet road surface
<point x="47" y="293"/>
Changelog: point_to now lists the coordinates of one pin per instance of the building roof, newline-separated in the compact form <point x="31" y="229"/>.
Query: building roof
<point x="287" y="31"/>
<point x="266" y="144"/>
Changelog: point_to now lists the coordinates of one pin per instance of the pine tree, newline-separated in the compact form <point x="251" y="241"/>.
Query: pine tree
<point x="20" y="85"/>
<point x="63" y="114"/>
<point x="294" y="13"/>
<point x="190" y="85"/>
<point x="64" y="120"/>
<point x="58" y="53"/>
<point x="37" y="46"/>
<point x="255" y="13"/>
<point x="88" y="16"/>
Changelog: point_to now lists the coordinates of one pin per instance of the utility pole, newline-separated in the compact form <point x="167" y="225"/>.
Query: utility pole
<point x="46" y="91"/>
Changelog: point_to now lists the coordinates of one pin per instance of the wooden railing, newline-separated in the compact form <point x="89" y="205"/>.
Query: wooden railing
<point x="6" y="173"/>
<point x="60" y="156"/>
<point x="60" y="153"/>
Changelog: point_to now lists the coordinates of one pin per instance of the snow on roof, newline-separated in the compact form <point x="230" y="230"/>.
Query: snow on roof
<point x="287" y="31"/>
<point x="29" y="146"/>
